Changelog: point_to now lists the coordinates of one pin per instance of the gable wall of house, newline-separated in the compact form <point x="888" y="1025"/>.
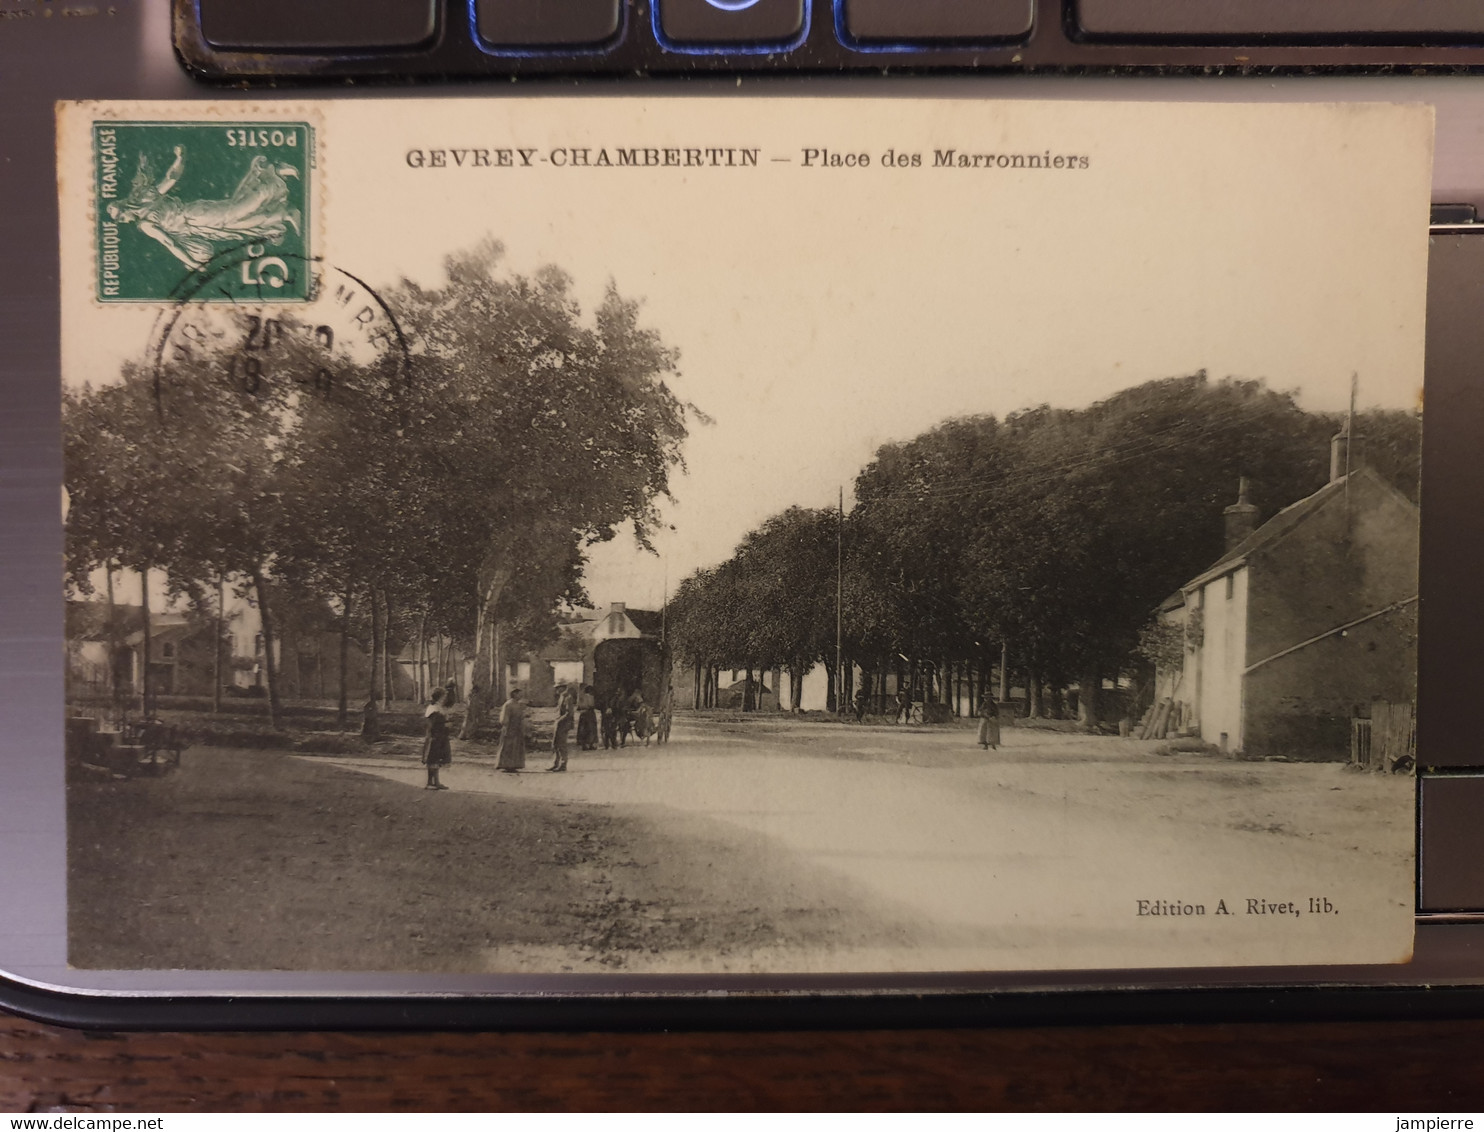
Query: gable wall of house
<point x="1301" y="704"/>
<point x="1224" y="612"/>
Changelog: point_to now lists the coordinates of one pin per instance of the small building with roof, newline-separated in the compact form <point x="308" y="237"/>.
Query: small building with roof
<point x="617" y="650"/>
<point x="1303" y="622"/>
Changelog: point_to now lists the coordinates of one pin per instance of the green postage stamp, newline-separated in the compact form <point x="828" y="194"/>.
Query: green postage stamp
<point x="202" y="211"/>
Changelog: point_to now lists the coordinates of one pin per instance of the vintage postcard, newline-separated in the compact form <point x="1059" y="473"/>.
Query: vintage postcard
<point x="740" y="535"/>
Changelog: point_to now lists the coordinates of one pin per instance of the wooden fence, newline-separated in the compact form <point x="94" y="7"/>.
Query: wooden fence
<point x="1386" y="739"/>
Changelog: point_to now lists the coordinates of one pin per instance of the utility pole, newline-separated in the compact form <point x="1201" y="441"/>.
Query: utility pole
<point x="840" y="604"/>
<point x="1349" y="437"/>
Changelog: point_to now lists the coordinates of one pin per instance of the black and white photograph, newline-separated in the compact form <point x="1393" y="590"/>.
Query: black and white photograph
<point x="721" y="537"/>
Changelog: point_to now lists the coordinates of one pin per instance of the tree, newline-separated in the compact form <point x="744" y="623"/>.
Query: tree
<point x="457" y="490"/>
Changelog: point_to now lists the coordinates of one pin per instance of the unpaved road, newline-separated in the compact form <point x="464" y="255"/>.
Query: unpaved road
<point x="1033" y="856"/>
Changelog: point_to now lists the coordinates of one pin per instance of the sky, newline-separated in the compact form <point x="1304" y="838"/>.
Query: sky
<point x="820" y="312"/>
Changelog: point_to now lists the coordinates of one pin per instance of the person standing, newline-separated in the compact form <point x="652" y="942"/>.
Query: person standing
<point x="610" y="724"/>
<point x="587" y="719"/>
<point x="513" y="733"/>
<point x="566" y="713"/>
<point x="370" y="722"/>
<point x="437" y="751"/>
<point x="642" y="718"/>
<point x="663" y="720"/>
<point x="623" y="711"/>
<point x="989" y="724"/>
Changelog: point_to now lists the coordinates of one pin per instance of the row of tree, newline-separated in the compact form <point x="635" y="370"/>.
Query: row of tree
<point x="449" y="483"/>
<point x="1046" y="539"/>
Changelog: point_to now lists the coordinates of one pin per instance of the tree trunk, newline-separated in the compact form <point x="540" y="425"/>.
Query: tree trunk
<point x="115" y="700"/>
<point x="298" y="668"/>
<point x="1004" y="671"/>
<point x="373" y="693"/>
<point x="386" y="650"/>
<point x="260" y="586"/>
<point x="145" y="699"/>
<point x="1087" y="697"/>
<point x="501" y="694"/>
<point x="419" y="683"/>
<point x="216" y="653"/>
<point x="829" y="698"/>
<point x="491" y="650"/>
<point x="342" y="714"/>
<point x="1033" y="694"/>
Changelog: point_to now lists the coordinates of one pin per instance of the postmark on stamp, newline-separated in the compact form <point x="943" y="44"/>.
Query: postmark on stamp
<point x="176" y="200"/>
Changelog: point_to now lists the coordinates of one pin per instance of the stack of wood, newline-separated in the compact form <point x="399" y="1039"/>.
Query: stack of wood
<point x="1163" y="719"/>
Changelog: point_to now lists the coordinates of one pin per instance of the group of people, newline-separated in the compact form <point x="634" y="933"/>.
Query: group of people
<point x="577" y="708"/>
<point x="626" y="716"/>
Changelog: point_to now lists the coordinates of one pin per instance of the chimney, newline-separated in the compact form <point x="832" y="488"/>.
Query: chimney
<point x="617" y="607"/>
<point x="1344" y="449"/>
<point x="1241" y="517"/>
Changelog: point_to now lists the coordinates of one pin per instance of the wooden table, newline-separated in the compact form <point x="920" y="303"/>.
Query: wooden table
<point x="1403" y="1066"/>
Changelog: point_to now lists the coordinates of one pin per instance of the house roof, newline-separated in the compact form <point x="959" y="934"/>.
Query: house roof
<point x="648" y="621"/>
<point x="88" y="621"/>
<point x="1286" y="521"/>
<point x="571" y="644"/>
<point x="162" y="632"/>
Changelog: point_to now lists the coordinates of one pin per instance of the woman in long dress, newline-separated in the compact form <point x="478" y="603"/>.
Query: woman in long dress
<point x="437" y="751"/>
<point x="989" y="724"/>
<point x="587" y="719"/>
<point x="513" y="733"/>
<point x="258" y="209"/>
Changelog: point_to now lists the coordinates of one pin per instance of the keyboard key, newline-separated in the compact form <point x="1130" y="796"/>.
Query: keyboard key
<point x="546" y="23"/>
<point x="311" y="25"/>
<point x="1341" y="20"/>
<point x="731" y="22"/>
<point x="1452" y="845"/>
<point x="927" y="21"/>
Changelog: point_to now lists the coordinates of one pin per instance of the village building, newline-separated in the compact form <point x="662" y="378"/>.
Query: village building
<point x="183" y="662"/>
<point x="1304" y="623"/>
<point x="617" y="651"/>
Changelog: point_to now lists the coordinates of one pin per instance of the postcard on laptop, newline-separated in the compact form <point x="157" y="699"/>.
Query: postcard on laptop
<point x="740" y="536"/>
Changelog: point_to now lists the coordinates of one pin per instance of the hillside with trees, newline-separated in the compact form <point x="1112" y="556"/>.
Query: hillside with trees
<point x="1048" y="537"/>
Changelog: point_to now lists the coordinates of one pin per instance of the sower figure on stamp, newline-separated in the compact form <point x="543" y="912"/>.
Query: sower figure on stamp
<point x="258" y="209"/>
<point x="437" y="751"/>
<point x="566" y="711"/>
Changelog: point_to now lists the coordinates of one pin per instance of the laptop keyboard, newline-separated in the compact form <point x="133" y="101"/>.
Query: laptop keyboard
<point x="440" y="39"/>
